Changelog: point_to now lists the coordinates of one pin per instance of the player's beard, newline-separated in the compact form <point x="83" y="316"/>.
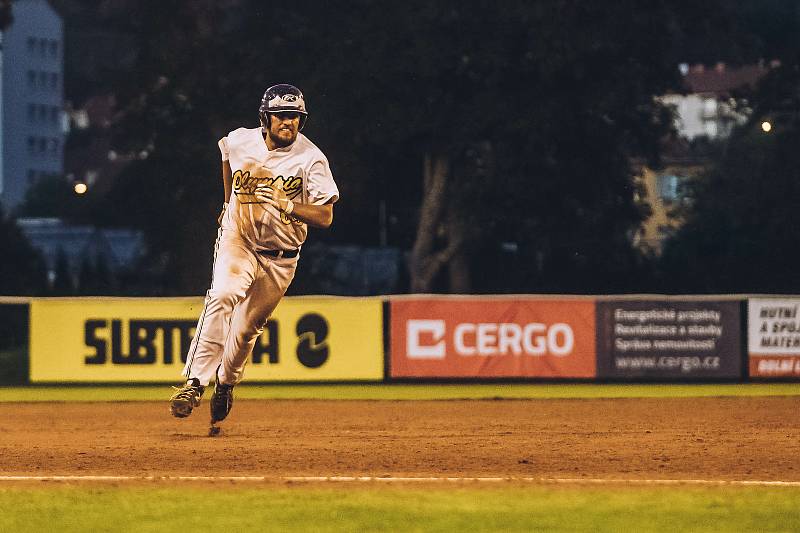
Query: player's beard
<point x="281" y="142"/>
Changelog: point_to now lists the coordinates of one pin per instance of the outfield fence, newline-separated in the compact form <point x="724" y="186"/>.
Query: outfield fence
<point x="310" y="339"/>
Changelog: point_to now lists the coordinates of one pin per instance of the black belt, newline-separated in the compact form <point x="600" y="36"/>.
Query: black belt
<point x="280" y="253"/>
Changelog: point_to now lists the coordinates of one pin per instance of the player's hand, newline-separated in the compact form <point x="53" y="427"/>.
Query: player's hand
<point x="275" y="197"/>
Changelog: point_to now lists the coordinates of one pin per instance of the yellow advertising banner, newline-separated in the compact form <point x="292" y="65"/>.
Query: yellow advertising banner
<point x="115" y="340"/>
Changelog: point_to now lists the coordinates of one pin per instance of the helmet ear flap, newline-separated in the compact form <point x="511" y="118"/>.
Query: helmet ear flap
<point x="263" y="117"/>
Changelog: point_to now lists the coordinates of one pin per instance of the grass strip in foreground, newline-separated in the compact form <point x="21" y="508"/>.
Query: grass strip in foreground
<point x="156" y="507"/>
<point x="378" y="391"/>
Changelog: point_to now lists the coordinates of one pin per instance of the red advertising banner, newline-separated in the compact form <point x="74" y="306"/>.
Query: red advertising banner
<point x="492" y="338"/>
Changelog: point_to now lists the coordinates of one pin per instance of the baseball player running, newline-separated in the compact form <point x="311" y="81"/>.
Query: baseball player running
<point x="277" y="183"/>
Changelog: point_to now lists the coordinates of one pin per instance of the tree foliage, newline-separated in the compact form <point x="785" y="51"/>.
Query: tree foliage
<point x="54" y="196"/>
<point x="22" y="270"/>
<point x="6" y="14"/>
<point x="533" y="108"/>
<point x="742" y="232"/>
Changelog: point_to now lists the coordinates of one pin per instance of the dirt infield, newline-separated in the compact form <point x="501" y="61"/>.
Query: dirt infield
<point x="676" y="438"/>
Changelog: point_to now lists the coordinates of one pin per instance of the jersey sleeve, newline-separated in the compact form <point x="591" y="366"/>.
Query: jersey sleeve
<point x="321" y="187"/>
<point x="223" y="148"/>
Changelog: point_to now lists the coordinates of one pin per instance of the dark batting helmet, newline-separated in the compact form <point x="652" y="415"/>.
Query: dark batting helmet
<point x="282" y="97"/>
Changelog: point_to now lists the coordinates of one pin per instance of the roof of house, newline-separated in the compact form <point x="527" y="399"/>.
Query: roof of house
<point x="52" y="236"/>
<point x="721" y="79"/>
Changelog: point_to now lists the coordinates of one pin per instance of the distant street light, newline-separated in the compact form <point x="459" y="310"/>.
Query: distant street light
<point x="766" y="126"/>
<point x="80" y="188"/>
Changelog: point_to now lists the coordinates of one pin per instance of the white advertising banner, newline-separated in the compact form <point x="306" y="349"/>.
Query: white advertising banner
<point x="773" y="333"/>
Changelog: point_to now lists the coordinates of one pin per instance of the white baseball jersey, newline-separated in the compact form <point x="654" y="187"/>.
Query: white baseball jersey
<point x="300" y="169"/>
<point x="246" y="286"/>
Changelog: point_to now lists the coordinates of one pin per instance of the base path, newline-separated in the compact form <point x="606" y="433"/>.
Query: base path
<point x="734" y="439"/>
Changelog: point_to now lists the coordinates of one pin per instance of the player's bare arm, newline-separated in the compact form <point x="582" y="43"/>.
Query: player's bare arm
<point x="227" y="180"/>
<point x="318" y="216"/>
<point x="227" y="184"/>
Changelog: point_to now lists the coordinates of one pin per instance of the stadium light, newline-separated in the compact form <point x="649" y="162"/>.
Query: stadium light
<point x="80" y="188"/>
<point x="766" y="126"/>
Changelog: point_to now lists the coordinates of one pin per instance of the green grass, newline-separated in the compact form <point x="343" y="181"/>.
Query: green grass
<point x="346" y="508"/>
<point x="403" y="392"/>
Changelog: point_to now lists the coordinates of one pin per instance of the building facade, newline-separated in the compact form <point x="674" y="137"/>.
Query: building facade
<point x="32" y="128"/>
<point x="708" y="110"/>
<point x="711" y="107"/>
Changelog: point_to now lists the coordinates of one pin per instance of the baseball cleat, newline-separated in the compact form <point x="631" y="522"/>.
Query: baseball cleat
<point x="186" y="398"/>
<point x="221" y="402"/>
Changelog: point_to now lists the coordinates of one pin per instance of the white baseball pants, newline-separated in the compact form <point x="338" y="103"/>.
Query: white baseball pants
<point x="245" y="289"/>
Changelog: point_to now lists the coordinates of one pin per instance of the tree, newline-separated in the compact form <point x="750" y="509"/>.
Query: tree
<point x="473" y="126"/>
<point x="104" y="282"/>
<point x="94" y="276"/>
<point x="520" y="120"/>
<point x="742" y="233"/>
<point x="6" y="14"/>
<point x="22" y="269"/>
<point x="54" y="196"/>
<point x="172" y="111"/>
<point x="62" y="283"/>
<point x="86" y="276"/>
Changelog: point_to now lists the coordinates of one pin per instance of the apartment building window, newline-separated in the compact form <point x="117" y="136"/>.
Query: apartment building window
<point x="54" y="115"/>
<point x="53" y="80"/>
<point x="53" y="49"/>
<point x="31" y="145"/>
<point x="31" y="79"/>
<point x="31" y="45"/>
<point x="54" y="146"/>
<point x="32" y="175"/>
<point x="42" y="79"/>
<point x="668" y="187"/>
<point x="42" y="145"/>
<point x="31" y="112"/>
<point x="42" y="47"/>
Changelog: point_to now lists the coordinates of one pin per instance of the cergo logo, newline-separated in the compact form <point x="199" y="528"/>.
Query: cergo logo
<point x="427" y="339"/>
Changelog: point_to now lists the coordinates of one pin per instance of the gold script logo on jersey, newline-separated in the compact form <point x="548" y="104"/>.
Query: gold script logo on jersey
<point x="245" y="185"/>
